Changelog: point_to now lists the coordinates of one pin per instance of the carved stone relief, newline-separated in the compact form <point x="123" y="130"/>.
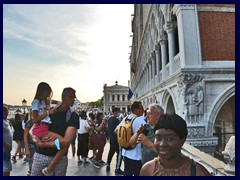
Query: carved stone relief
<point x="191" y="97"/>
<point x="203" y="143"/>
<point x="196" y="132"/>
<point x="229" y="155"/>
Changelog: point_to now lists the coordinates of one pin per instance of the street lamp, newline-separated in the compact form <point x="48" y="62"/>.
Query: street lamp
<point x="24" y="104"/>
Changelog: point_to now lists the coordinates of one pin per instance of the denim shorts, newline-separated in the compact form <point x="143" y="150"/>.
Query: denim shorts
<point x="7" y="166"/>
<point x="6" y="155"/>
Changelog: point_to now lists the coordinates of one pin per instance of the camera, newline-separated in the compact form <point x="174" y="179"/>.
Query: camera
<point x="146" y="128"/>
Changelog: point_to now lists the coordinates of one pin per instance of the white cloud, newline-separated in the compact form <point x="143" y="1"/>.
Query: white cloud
<point x="84" y="45"/>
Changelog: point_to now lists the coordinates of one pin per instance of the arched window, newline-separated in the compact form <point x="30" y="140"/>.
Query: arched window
<point x="160" y="58"/>
<point x="174" y="19"/>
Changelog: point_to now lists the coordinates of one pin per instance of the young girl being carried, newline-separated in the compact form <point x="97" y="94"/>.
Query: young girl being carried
<point x="41" y="111"/>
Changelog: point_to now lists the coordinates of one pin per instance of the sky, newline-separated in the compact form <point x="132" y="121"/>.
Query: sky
<point x="82" y="46"/>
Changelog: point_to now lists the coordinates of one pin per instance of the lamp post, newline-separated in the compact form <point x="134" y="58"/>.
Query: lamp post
<point x="24" y="104"/>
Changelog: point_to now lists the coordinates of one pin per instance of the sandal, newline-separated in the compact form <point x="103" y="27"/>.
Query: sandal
<point x="14" y="159"/>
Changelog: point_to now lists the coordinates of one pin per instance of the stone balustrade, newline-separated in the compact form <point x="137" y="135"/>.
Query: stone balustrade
<point x="213" y="165"/>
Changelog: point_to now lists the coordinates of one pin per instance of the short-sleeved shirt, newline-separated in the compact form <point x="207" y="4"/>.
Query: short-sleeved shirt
<point x="7" y="134"/>
<point x="135" y="153"/>
<point x="147" y="153"/>
<point x="84" y="126"/>
<point x="59" y="125"/>
<point x="39" y="106"/>
<point x="112" y="124"/>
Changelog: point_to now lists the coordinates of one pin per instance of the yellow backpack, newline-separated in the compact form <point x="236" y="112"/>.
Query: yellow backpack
<point x="125" y="133"/>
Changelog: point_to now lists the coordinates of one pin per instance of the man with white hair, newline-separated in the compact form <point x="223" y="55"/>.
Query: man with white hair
<point x="147" y="140"/>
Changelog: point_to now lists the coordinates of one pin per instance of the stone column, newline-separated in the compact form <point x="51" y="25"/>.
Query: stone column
<point x="147" y="83"/>
<point x="110" y="97"/>
<point x="153" y="59"/>
<point x="145" y="79"/>
<point x="150" y="73"/>
<point x="163" y="44"/>
<point x="188" y="37"/>
<point x="170" y="28"/>
<point x="157" y="54"/>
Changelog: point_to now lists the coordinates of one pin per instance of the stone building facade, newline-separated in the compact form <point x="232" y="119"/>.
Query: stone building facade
<point x="115" y="96"/>
<point x="183" y="58"/>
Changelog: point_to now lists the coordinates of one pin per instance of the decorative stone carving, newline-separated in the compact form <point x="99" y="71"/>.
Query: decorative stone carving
<point x="196" y="132"/>
<point x="191" y="78"/>
<point x="170" y="26"/>
<point x="203" y="143"/>
<point x="192" y="99"/>
<point x="185" y="81"/>
<point x="190" y="102"/>
<point x="163" y="38"/>
<point x="199" y="102"/>
<point x="229" y="155"/>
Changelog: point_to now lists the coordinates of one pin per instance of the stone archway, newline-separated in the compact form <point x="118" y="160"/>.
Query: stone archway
<point x="168" y="101"/>
<point x="170" y="106"/>
<point x="216" y="107"/>
<point x="224" y="126"/>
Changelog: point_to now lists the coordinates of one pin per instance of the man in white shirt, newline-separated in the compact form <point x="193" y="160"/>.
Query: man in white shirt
<point x="133" y="157"/>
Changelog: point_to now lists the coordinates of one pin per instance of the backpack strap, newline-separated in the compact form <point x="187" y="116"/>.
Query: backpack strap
<point x="130" y="120"/>
<point x="193" y="168"/>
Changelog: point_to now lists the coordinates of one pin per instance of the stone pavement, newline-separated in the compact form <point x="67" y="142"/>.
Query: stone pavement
<point x="74" y="168"/>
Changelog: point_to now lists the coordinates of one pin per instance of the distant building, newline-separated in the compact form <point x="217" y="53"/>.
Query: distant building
<point x="85" y="106"/>
<point x="183" y="58"/>
<point x="17" y="109"/>
<point x="115" y="96"/>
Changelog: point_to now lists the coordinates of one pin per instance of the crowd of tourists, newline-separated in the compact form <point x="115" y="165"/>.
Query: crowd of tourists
<point x="44" y="135"/>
